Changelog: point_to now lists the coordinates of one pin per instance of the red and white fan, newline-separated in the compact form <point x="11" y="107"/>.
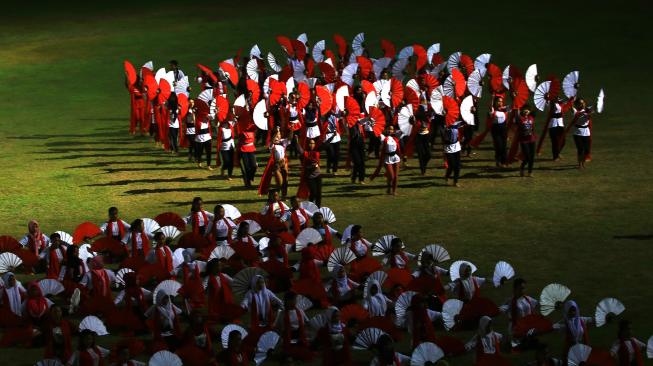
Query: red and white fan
<point x="541" y="94"/>
<point x="404" y="120"/>
<point x="433" y="50"/>
<point x="348" y="73"/>
<point x="436" y="100"/>
<point x="466" y="109"/>
<point x="412" y="83"/>
<point x="266" y="83"/>
<point x="222" y="252"/>
<point x="371" y="100"/>
<point x="379" y="85"/>
<point x="168" y="287"/>
<point x="578" y="355"/>
<point x="366" y="340"/>
<point x="599" y="101"/>
<point x="51" y="286"/>
<point x="224" y="335"/>
<point x="438" y="253"/>
<point x="318" y="51"/>
<point x="252" y="69"/>
<point x="273" y="62"/>
<point x="94" y="324"/>
<point x="340" y="256"/>
<point x="150" y="226"/>
<point x="65" y="237"/>
<point x="306" y="237"/>
<point x="255" y="51"/>
<point x="378" y="276"/>
<point x="327" y="213"/>
<point x="453" y="61"/>
<point x="454" y="269"/>
<point x="426" y="353"/>
<point x="240" y="101"/>
<point x="260" y="110"/>
<point x="531" y="77"/>
<point x="570" y="84"/>
<point x="503" y="271"/>
<point x="552" y="297"/>
<point x="480" y="63"/>
<point x="85" y="252"/>
<point x="170" y="231"/>
<point x="449" y="87"/>
<point x="341" y="93"/>
<point x="206" y="96"/>
<point x="450" y="309"/>
<point x="401" y="306"/>
<point x="9" y="262"/>
<point x="309" y="206"/>
<point x="242" y="281"/>
<point x="606" y="309"/>
<point x="266" y="343"/>
<point x="506" y="78"/>
<point x="165" y="358"/>
<point x="398" y="68"/>
<point x="383" y="246"/>
<point x="357" y="44"/>
<point x="475" y="83"/>
<point x="120" y="275"/>
<point x="148" y="65"/>
<point x="303" y="303"/>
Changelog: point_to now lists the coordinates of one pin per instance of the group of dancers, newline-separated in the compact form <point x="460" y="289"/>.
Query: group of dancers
<point x="387" y="108"/>
<point x="281" y="285"/>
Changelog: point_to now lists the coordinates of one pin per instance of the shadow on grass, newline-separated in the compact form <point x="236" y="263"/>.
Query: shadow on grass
<point x="634" y="237"/>
<point x="215" y="202"/>
<point x="153" y="180"/>
<point x="92" y="149"/>
<point x="101" y="164"/>
<point x="79" y="135"/>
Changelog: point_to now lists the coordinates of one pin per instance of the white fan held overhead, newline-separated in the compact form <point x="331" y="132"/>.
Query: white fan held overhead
<point x="401" y="307"/>
<point x="454" y="269"/>
<point x="327" y="214"/>
<point x="434" y="49"/>
<point x="252" y="69"/>
<point x="222" y="252"/>
<point x="453" y="61"/>
<point x="255" y="51"/>
<point x="318" y="51"/>
<point x="168" y="287"/>
<point x="531" y="77"/>
<point x="437" y="252"/>
<point x="120" y="276"/>
<point x="383" y="245"/>
<point x="341" y="93"/>
<point x="306" y="237"/>
<point x="273" y="63"/>
<point x="503" y="271"/>
<point x="259" y="115"/>
<point x="242" y="280"/>
<point x="649" y="347"/>
<point x="475" y="83"/>
<point x="599" y="101"/>
<point x="466" y="109"/>
<point x="230" y="211"/>
<point x="51" y="286"/>
<point x="570" y="84"/>
<point x="94" y="324"/>
<point x="426" y="352"/>
<point x="480" y="63"/>
<point x="606" y="309"/>
<point x="150" y="226"/>
<point x="9" y="262"/>
<point x="357" y="44"/>
<point x="540" y="95"/>
<point x="378" y="276"/>
<point x="348" y="73"/>
<point x="436" y="100"/>
<point x="170" y="231"/>
<point x="340" y="256"/>
<point x="309" y="206"/>
<point x="371" y="100"/>
<point x="552" y="297"/>
<point x="65" y="237"/>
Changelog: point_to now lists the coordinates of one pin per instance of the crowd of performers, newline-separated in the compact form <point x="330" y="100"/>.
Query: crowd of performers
<point x="281" y="286"/>
<point x="388" y="108"/>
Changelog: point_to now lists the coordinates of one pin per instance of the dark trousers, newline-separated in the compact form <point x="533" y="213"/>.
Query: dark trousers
<point x="315" y="190"/>
<point x="203" y="147"/>
<point x="499" y="138"/>
<point x="453" y="166"/>
<point x="373" y="143"/>
<point x="248" y="160"/>
<point x="582" y="146"/>
<point x="423" y="147"/>
<point x="528" y="152"/>
<point x="333" y="156"/>
<point x="468" y="134"/>
<point x="191" y="145"/>
<point x="357" y="153"/>
<point x="173" y="137"/>
<point x="557" y="143"/>
<point x="227" y="157"/>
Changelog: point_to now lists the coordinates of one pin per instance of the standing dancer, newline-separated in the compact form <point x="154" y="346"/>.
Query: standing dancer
<point x="451" y="142"/>
<point x="556" y="126"/>
<point x="114" y="227"/>
<point x="499" y="117"/>
<point x="332" y="128"/>
<point x="226" y="145"/>
<point x="277" y="166"/>
<point x="173" y="123"/>
<point x="189" y="123"/>
<point x="310" y="183"/>
<point x="247" y="156"/>
<point x="422" y="138"/>
<point x="526" y="133"/>
<point x="582" y="124"/>
<point x="357" y="150"/>
<point x="391" y="157"/>
<point x="203" y="141"/>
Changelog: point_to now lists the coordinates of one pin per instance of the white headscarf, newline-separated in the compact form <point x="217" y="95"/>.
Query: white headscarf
<point x="167" y="311"/>
<point x="376" y="304"/>
<point x="341" y="283"/>
<point x="261" y="297"/>
<point x="13" y="293"/>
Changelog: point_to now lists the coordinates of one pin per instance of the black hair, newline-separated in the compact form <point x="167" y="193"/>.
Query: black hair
<point x="518" y="283"/>
<point x="216" y="208"/>
<point x="113" y="209"/>
<point x="174" y="62"/>
<point x="355" y="229"/>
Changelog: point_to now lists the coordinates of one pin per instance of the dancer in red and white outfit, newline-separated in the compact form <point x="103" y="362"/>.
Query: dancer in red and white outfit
<point x="198" y="217"/>
<point x="627" y="350"/>
<point x="137" y="240"/>
<point x="221" y="227"/>
<point x="35" y="241"/>
<point x="88" y="353"/>
<point x="259" y="301"/>
<point x="390" y="157"/>
<point x="115" y="227"/>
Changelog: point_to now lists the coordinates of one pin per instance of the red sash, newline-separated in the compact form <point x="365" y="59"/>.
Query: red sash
<point x="145" y="243"/>
<point x="165" y="261"/>
<point x="196" y="220"/>
<point x="624" y="355"/>
<point x="109" y="229"/>
<point x="254" y="319"/>
<point x="54" y="265"/>
<point x="287" y="328"/>
<point x="101" y="283"/>
<point x="296" y="226"/>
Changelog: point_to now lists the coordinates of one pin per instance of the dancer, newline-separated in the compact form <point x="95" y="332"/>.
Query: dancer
<point x="582" y="125"/>
<point x="115" y="227"/>
<point x="527" y="138"/>
<point x="390" y="157"/>
<point x="451" y="142"/>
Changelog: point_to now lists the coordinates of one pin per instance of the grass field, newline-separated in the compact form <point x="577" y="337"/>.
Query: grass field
<point x="66" y="155"/>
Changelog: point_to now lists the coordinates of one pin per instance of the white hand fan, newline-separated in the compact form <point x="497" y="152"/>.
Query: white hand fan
<point x="404" y="118"/>
<point x="254" y="227"/>
<point x="426" y="352"/>
<point x="398" y="68"/>
<point x="255" y="52"/>
<point x="505" y="77"/>
<point x="553" y="296"/>
<point x="346" y="234"/>
<point x="49" y="362"/>
<point x="405" y="52"/>
<point x="379" y="85"/>
<point x="319" y="321"/>
<point x="309" y="206"/>
<point x="466" y="109"/>
<point x="378" y="276"/>
<point x="51" y="286"/>
<point x="649" y="348"/>
<point x="453" y="62"/>
<point x="307" y="236"/>
<point x="206" y="96"/>
<point x="222" y="252"/>
<point x="298" y="70"/>
<point x="252" y="69"/>
<point x="150" y="226"/>
<point x="578" y="354"/>
<point x="85" y="252"/>
<point x="168" y="287"/>
<point x="448" y="88"/>
<point x="179" y="257"/>
<point x="266" y="83"/>
<point x="503" y="271"/>
<point x="436" y="100"/>
<point x="74" y="300"/>
<point x="120" y="276"/>
<point x="303" y="303"/>
<point x="367" y="339"/>
<point x="480" y="63"/>
<point x="450" y="309"/>
<point x="259" y="115"/>
<point x="606" y="308"/>
<point x="170" y="231"/>
<point x="341" y="93"/>
<point x="539" y="96"/>
<point x="531" y="77"/>
<point x="303" y="38"/>
<point x="385" y="94"/>
<point x="412" y="83"/>
<point x="340" y="256"/>
<point x="318" y="51"/>
<point x="312" y="83"/>
<point x="570" y="84"/>
<point x="382" y="246"/>
<point x="475" y="83"/>
<point x="438" y="253"/>
<point x="371" y="100"/>
<point x="273" y="63"/>
<point x="454" y="270"/>
<point x="230" y="211"/>
<point x="240" y="101"/>
<point x="352" y="58"/>
<point x="94" y="324"/>
<point x="160" y="74"/>
<point x="379" y="65"/>
<point x="65" y="237"/>
<point x="9" y="262"/>
<point x="149" y="65"/>
<point x="327" y="213"/>
<point x="165" y="358"/>
<point x="401" y="306"/>
<point x="348" y="73"/>
<point x="357" y="44"/>
<point x="599" y="101"/>
<point x="265" y="344"/>
<point x="224" y="336"/>
<point x="434" y="49"/>
<point x="242" y="280"/>
<point x="181" y="86"/>
<point x="170" y="77"/>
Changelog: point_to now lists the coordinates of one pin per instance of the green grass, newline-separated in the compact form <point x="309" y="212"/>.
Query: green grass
<point x="66" y="155"/>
